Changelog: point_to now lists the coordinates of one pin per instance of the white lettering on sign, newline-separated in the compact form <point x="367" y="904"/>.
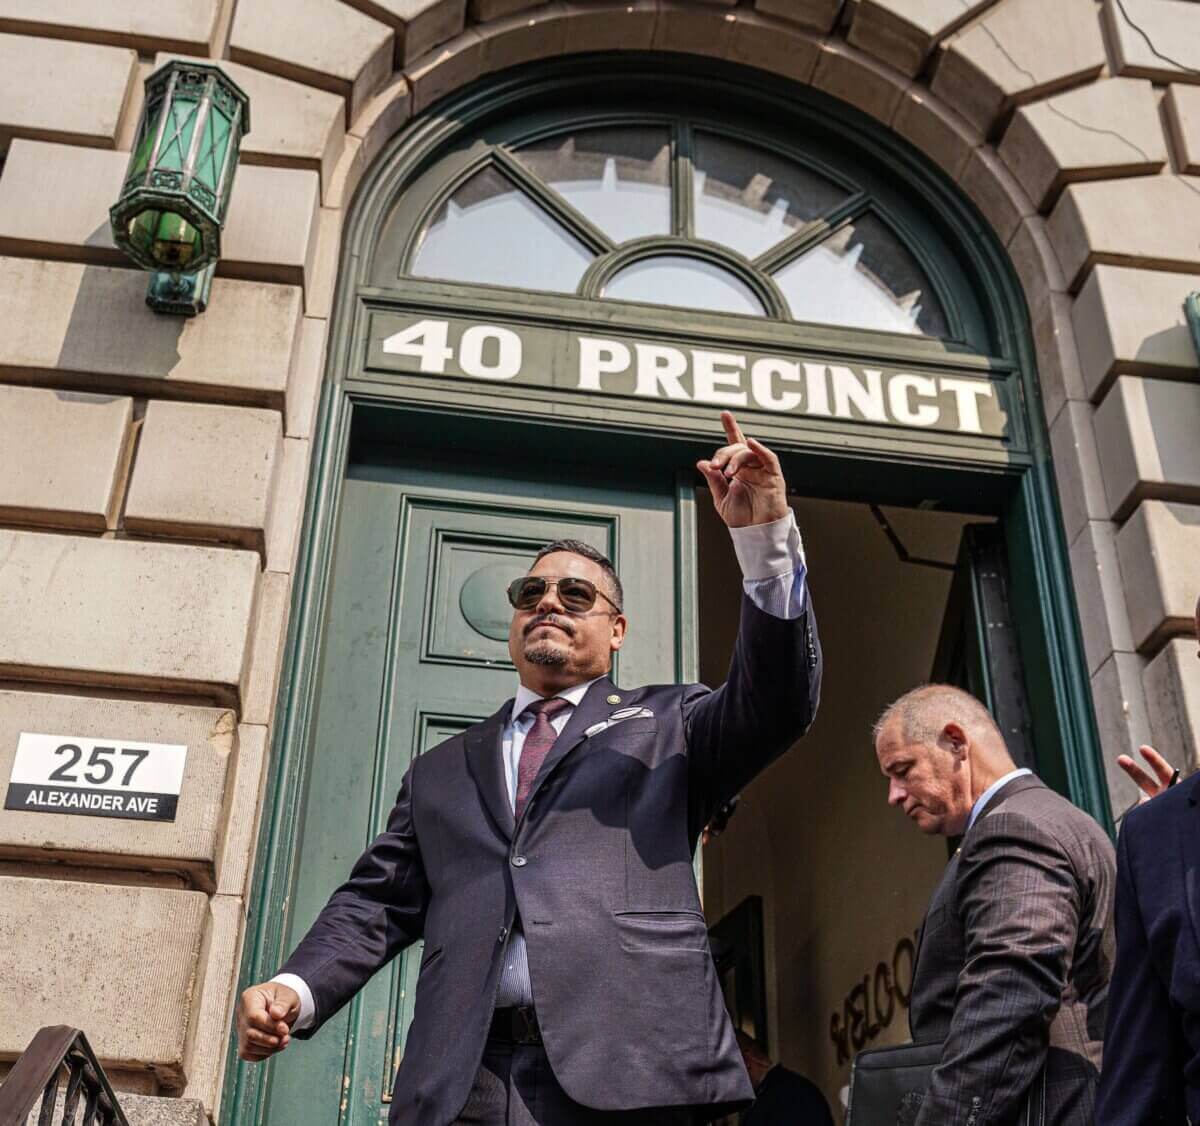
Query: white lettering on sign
<point x="967" y="394"/>
<point x="904" y="395"/>
<point x="653" y="370"/>
<point x="766" y="384"/>
<point x="97" y="777"/>
<point x="136" y="804"/>
<point x="865" y="394"/>
<point x="659" y="371"/>
<point x="598" y="358"/>
<point x="507" y="364"/>
<point x="426" y="342"/>
<point x="816" y="390"/>
<point x="717" y="378"/>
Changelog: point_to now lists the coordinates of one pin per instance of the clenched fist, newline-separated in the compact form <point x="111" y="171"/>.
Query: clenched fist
<point x="265" y="1017"/>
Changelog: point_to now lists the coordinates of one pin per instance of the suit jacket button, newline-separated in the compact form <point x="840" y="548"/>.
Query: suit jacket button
<point x="519" y="862"/>
<point x="503" y="935"/>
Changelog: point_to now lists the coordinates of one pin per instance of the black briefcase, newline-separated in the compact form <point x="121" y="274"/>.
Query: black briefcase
<point x="887" y="1086"/>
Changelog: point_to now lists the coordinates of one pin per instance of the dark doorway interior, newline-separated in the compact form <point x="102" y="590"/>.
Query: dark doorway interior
<point x="843" y="878"/>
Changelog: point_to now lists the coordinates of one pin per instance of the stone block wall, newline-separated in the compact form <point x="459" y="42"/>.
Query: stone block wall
<point x="154" y="474"/>
<point x="155" y="468"/>
<point x="1077" y="142"/>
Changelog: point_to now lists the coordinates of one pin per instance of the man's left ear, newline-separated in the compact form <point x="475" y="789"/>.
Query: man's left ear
<point x="620" y="624"/>
<point x="957" y="738"/>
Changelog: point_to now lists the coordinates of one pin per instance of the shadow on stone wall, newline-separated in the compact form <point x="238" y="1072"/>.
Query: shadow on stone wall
<point x="112" y="331"/>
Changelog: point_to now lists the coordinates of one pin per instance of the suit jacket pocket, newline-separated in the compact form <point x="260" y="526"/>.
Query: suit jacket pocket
<point x="662" y="931"/>
<point x="636" y="739"/>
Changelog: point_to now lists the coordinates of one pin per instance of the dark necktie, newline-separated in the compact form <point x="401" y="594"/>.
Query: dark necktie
<point x="537" y="745"/>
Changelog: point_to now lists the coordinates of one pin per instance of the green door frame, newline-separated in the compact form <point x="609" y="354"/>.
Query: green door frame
<point x="356" y="405"/>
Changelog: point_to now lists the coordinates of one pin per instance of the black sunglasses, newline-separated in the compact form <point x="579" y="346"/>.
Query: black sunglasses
<point x="576" y="595"/>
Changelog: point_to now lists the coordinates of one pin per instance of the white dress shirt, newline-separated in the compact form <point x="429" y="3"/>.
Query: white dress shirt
<point x="515" y="986"/>
<point x="771" y="557"/>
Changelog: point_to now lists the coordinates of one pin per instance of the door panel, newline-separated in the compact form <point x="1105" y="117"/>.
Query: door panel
<point x="414" y="649"/>
<point x="978" y="647"/>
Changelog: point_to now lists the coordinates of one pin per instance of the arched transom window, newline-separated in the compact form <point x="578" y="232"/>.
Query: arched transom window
<point x="684" y="212"/>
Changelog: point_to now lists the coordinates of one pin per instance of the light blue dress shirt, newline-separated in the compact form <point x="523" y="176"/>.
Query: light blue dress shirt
<point x="774" y="573"/>
<point x="987" y="795"/>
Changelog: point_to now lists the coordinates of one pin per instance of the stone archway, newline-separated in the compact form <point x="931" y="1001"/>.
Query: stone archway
<point x="1041" y="139"/>
<point x="1020" y="105"/>
<point x="1077" y="137"/>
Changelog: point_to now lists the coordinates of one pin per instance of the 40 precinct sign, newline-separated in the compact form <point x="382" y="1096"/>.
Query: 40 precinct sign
<point x="96" y="777"/>
<point x="964" y="400"/>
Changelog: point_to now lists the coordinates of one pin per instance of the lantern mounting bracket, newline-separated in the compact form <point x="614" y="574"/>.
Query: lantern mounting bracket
<point x="184" y="295"/>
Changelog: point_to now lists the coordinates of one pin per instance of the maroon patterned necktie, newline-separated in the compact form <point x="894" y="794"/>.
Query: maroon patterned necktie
<point x="537" y="745"/>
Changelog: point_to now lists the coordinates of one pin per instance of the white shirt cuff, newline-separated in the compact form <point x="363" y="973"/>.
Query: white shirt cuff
<point x="765" y="551"/>
<point x="308" y="1007"/>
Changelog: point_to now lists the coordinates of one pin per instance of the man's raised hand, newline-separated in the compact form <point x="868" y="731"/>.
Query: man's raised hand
<point x="1151" y="786"/>
<point x="265" y="1017"/>
<point x="745" y="480"/>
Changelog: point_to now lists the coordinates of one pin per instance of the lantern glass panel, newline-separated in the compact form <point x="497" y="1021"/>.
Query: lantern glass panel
<point x="166" y="236"/>
<point x="212" y="148"/>
<point x="177" y="140"/>
<point x="145" y="142"/>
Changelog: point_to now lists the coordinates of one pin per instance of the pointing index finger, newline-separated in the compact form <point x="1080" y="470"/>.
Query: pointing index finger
<point x="732" y="430"/>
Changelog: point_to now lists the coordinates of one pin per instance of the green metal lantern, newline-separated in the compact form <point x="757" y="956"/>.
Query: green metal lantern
<point x="179" y="180"/>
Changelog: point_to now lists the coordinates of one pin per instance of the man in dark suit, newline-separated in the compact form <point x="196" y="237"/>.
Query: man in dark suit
<point x="782" y="1097"/>
<point x="1013" y="961"/>
<point x="1152" y="1044"/>
<point x="545" y="856"/>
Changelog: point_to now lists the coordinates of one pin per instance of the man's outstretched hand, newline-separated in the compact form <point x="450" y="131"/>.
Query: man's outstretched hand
<point x="1151" y="786"/>
<point x="265" y="1017"/>
<point x="745" y="480"/>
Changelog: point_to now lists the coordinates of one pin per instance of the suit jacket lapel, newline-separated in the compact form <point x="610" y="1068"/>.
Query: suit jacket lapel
<point x="944" y="893"/>
<point x="593" y="708"/>
<point x="485" y="759"/>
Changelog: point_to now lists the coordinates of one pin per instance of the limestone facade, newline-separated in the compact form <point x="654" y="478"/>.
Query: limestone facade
<point x="155" y="469"/>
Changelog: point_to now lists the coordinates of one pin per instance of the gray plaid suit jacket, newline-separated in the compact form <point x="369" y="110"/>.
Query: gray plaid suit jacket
<point x="1014" y="960"/>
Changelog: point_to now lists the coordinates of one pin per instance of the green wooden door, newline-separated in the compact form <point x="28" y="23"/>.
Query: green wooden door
<point x="414" y="649"/>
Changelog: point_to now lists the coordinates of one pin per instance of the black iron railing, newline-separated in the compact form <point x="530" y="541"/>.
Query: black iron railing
<point x="54" y="1077"/>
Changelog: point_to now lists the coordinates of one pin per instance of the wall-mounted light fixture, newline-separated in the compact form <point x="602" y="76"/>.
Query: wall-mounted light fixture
<point x="179" y="180"/>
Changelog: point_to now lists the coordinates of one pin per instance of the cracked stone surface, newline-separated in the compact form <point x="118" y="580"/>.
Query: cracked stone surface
<point x="995" y="63"/>
<point x="1100" y="131"/>
<point x="1165" y="44"/>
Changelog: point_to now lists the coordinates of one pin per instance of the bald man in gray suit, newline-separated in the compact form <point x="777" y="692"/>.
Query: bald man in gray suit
<point x="1013" y="962"/>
